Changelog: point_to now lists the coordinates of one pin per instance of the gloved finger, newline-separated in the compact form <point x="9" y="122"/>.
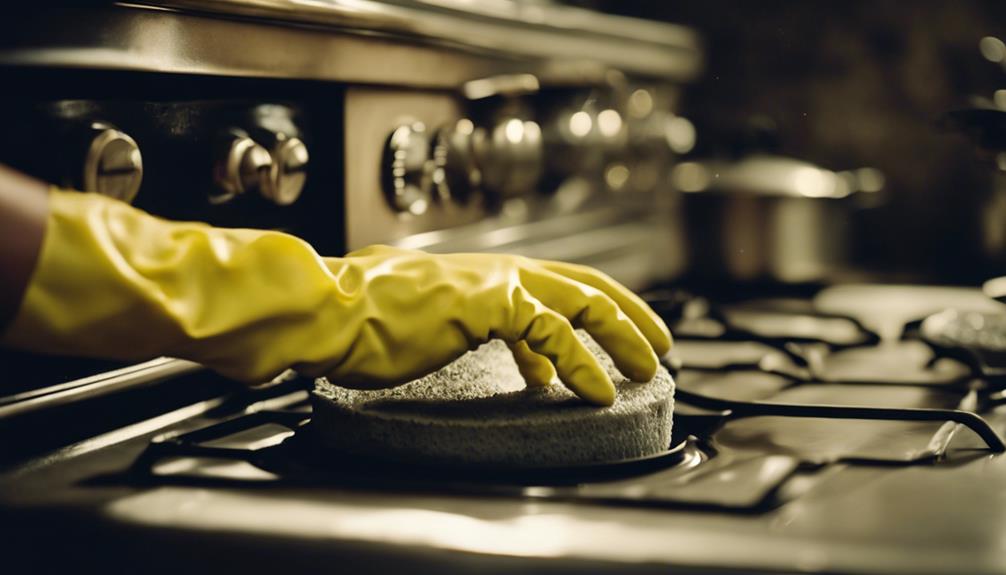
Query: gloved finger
<point x="649" y="323"/>
<point x="536" y="370"/>
<point x="597" y="313"/>
<point x="549" y="334"/>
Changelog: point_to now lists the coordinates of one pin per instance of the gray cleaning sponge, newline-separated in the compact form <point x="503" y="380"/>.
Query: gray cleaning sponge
<point x="478" y="411"/>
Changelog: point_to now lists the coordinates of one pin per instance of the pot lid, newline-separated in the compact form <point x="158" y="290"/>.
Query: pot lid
<point x="774" y="176"/>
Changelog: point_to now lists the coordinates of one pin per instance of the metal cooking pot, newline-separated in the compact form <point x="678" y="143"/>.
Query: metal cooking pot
<point x="770" y="218"/>
<point x="985" y="124"/>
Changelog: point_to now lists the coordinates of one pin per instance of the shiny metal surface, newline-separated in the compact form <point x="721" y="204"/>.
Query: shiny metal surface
<point x="775" y="176"/>
<point x="407" y="169"/>
<point x="289" y="171"/>
<point x="656" y="135"/>
<point x="119" y="37"/>
<point x="371" y="115"/>
<point x="587" y="134"/>
<point x="939" y="518"/>
<point x="630" y="243"/>
<point x="113" y="165"/>
<point x="977" y="338"/>
<point x="526" y="30"/>
<point x="365" y="45"/>
<point x="506" y="145"/>
<point x="457" y="177"/>
<point x="243" y="166"/>
<point x="510" y="156"/>
<point x="507" y="84"/>
<point x="346" y="41"/>
<point x="771" y="218"/>
<point x="481" y="182"/>
<point x="995" y="288"/>
<point x="766" y="494"/>
<point x="133" y="376"/>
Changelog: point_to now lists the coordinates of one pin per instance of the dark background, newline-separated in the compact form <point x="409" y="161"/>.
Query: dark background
<point x="852" y="84"/>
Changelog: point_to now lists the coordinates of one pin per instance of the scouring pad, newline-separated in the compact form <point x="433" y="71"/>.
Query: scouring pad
<point x="477" y="411"/>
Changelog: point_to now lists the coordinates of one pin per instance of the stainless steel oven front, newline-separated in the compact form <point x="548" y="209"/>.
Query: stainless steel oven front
<point x="443" y="126"/>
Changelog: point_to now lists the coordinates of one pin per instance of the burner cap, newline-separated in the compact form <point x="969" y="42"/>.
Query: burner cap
<point x="477" y="411"/>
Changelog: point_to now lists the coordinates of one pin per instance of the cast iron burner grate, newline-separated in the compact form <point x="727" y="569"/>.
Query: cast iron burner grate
<point x="804" y="346"/>
<point x="691" y="474"/>
<point x="296" y="457"/>
<point x="270" y="442"/>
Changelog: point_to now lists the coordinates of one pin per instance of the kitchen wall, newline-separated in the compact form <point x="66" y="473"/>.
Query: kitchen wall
<point x="850" y="84"/>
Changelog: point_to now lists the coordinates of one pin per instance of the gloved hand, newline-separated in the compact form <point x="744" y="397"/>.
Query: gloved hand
<point x="115" y="282"/>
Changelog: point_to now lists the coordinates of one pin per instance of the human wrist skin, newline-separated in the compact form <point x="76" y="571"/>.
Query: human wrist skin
<point x="23" y="214"/>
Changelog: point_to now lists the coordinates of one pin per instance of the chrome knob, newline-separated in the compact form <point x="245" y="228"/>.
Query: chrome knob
<point x="407" y="177"/>
<point x="288" y="172"/>
<point x="573" y="141"/>
<point x="510" y="157"/>
<point x="113" y="165"/>
<point x="243" y="166"/>
<point x="506" y="85"/>
<point x="456" y="175"/>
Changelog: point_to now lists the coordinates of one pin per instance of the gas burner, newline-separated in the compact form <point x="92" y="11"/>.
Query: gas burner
<point x="282" y="443"/>
<point x="771" y="425"/>
<point x="275" y="447"/>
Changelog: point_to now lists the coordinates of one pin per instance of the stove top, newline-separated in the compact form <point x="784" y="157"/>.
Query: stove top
<point x="819" y="434"/>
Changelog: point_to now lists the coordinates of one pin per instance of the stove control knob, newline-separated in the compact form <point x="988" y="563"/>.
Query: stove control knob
<point x="456" y="175"/>
<point x="288" y="172"/>
<point x="510" y="156"/>
<point x="407" y="169"/>
<point x="113" y="165"/>
<point x="242" y="166"/>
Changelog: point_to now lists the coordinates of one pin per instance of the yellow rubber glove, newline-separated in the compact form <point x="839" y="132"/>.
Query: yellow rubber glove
<point x="115" y="282"/>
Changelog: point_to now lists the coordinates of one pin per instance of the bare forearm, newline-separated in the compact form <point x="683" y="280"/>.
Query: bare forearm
<point x="23" y="212"/>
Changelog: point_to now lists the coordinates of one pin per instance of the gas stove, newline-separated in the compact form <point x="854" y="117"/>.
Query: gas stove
<point x="811" y="434"/>
<point x="817" y="429"/>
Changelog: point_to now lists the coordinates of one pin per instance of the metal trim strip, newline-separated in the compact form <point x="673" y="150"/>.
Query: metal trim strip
<point x="339" y="40"/>
<point x="96" y="386"/>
